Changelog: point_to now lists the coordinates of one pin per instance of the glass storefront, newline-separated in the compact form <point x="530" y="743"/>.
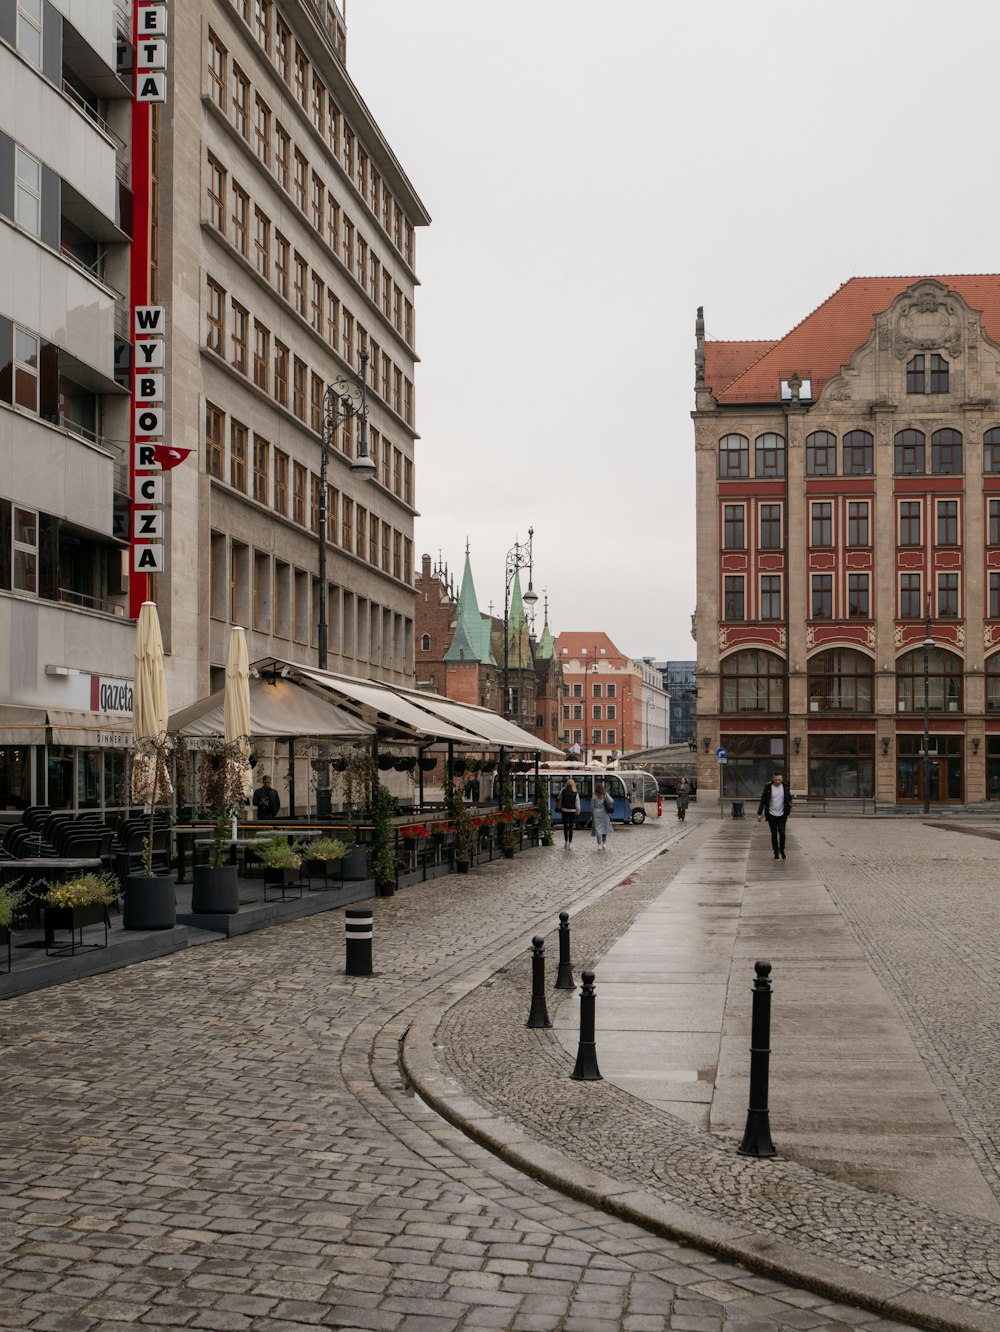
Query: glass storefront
<point x="842" y="766"/>
<point x="993" y="767"/>
<point x="15" y="776"/>
<point x="945" y="777"/>
<point x="751" y="763"/>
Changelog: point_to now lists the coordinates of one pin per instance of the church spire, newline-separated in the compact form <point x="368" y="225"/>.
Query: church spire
<point x="471" y="640"/>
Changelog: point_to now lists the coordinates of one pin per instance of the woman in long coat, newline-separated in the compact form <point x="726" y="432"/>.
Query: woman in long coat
<point x="601" y="807"/>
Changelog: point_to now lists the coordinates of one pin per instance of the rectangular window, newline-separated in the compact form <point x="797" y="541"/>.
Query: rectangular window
<point x="316" y="404"/>
<point x="610" y="692"/>
<point x="301" y="77"/>
<point x="578" y="712"/>
<point x="281" y="252"/>
<point x="734" y="527"/>
<point x="734" y="606"/>
<point x="387" y="465"/>
<point x="770" y="597"/>
<point x="214" y="419"/>
<point x="993" y="522"/>
<point x="346" y="520"/>
<point x="373" y="274"/>
<point x="939" y="374"/>
<point x="407" y="321"/>
<point x="333" y="223"/>
<point x="282" y="150"/>
<point x="333" y="126"/>
<point x="386" y="295"/>
<point x="348" y="250"/>
<point x="349" y="152"/>
<point x="611" y="736"/>
<point x="857" y="523"/>
<point x="318" y="202"/>
<point x="262" y="243"/>
<point x="241" y="319"/>
<point x="216" y="195"/>
<point x="610" y="711"/>
<point x="261" y="459"/>
<point x="262" y="130"/>
<point x="397" y="471"/>
<point x="386" y="542"/>
<point x="994" y="610"/>
<point x="282" y="49"/>
<point x="262" y="23"/>
<point x="348" y="336"/>
<point x="822" y="596"/>
<point x="947" y="522"/>
<point x="25" y="550"/>
<point x="241" y="102"/>
<point x="909" y="523"/>
<point x="332" y="320"/>
<point x="361" y="531"/>
<point x="595" y="736"/>
<point x="332" y="516"/>
<point x="947" y="595"/>
<point x="28" y="192"/>
<point x="280" y="482"/>
<point x="314" y="493"/>
<point x="316" y="307"/>
<point x="215" y="333"/>
<point x="373" y="535"/>
<point x="821" y="533"/>
<point x="299" y="283"/>
<point x="241" y="221"/>
<point x="407" y="481"/>
<point x="238" y="456"/>
<point x="281" y="374"/>
<point x="318" y="103"/>
<point x="299" y="180"/>
<point x="299" y="389"/>
<point x="216" y="71"/>
<point x="770" y="527"/>
<point x="397" y="300"/>
<point x="299" y="494"/>
<point x="261" y="354"/>
<point x="857" y="597"/>
<point x="595" y="712"/>
<point x="407" y="402"/>
<point x="362" y="255"/>
<point x="397" y="555"/>
<point x="397" y="390"/>
<point x="910" y="600"/>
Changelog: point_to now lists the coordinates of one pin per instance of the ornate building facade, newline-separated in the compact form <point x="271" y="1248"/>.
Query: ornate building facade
<point x="848" y="492"/>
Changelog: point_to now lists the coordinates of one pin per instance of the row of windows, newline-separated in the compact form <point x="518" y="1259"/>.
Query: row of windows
<point x="317" y="104"/>
<point x="610" y="689"/>
<point x="610" y="737"/>
<point x="828" y="601"/>
<point x="251" y="587"/>
<point x="600" y="712"/>
<point x="857" y="454"/>
<point x="306" y="291"/>
<point x="291" y="487"/>
<point x="842" y="680"/>
<point x="857" y="532"/>
<point x="293" y="385"/>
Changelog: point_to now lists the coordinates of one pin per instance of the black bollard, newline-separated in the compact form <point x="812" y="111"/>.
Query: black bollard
<point x="586" y="1069"/>
<point x="358" y="930"/>
<point x="539" y="1015"/>
<point x="564" y="975"/>
<point x="757" y="1134"/>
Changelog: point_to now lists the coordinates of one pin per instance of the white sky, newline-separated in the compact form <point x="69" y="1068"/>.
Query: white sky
<point x="597" y="171"/>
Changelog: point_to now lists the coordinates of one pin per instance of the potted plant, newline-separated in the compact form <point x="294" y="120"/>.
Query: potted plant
<point x="405" y="763"/>
<point x="444" y="834"/>
<point x="322" y="855"/>
<point x="414" y="835"/>
<point x="282" y="861"/>
<point x="386" y="762"/>
<point x="505" y="796"/>
<point x="74" y="905"/>
<point x="10" y="903"/>
<point x="384" y="806"/>
<point x="427" y="762"/>
<point x="150" y="898"/>
<point x="214" y="890"/>
<point x="544" y="820"/>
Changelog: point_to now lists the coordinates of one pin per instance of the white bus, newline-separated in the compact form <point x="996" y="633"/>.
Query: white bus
<point x="644" y="793"/>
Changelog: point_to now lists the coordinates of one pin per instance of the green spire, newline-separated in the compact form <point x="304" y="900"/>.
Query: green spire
<point x="471" y="640"/>
<point x="546" y="648"/>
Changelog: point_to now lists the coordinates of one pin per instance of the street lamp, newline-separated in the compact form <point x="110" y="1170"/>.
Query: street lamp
<point x="518" y="557"/>
<point x="928" y="644"/>
<point x="343" y="400"/>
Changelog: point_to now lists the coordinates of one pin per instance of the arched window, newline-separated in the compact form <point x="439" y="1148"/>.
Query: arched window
<point x="944" y="681"/>
<point x="770" y="451"/>
<point x="425" y="643"/>
<point x="993" y="683"/>
<point x="821" y="454"/>
<point x="946" y="452"/>
<point x="840" y="680"/>
<point x="858" y="453"/>
<point x="753" y="681"/>
<point x="734" y="455"/>
<point x="910" y="453"/>
<point x="991" y="450"/>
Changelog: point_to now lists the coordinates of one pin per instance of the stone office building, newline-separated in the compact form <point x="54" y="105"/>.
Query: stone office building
<point x="848" y="492"/>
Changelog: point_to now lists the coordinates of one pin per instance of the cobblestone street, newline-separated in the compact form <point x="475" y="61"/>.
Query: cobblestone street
<point x="224" y="1138"/>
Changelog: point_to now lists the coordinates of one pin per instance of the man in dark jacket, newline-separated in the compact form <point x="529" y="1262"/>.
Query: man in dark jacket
<point x="776" y="805"/>
<point x="266" y="800"/>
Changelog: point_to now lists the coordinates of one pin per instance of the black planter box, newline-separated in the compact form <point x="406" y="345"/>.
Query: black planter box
<point x="76" y="920"/>
<point x="215" y="890"/>
<point x="355" y="865"/>
<point x="149" y="904"/>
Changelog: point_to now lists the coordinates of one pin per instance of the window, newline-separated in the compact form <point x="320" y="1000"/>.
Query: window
<point x="611" y="690"/>
<point x="993" y="522"/>
<point x="858" y="453"/>
<point x="28" y="192"/>
<point x="216" y="319"/>
<point x="25" y="550"/>
<point x="299" y="283"/>
<point x="770" y="527"/>
<point x="262" y="131"/>
<point x="282" y="149"/>
<point x="821" y="531"/>
<point x="947" y="522"/>
<point x="348" y="336"/>
<point x="387" y="464"/>
<point x="373" y="272"/>
<point x="944" y="681"/>
<point x="299" y="389"/>
<point x="857" y="523"/>
<point x="282" y="48"/>
<point x="262" y="23"/>
<point x="216" y="71"/>
<point x="281" y="251"/>
<point x="262" y="243"/>
<point x="241" y="217"/>
<point x="734" y="608"/>
<point x="362" y="273"/>
<point x="909" y="453"/>
<point x="842" y="766"/>
<point x="397" y="297"/>
<point x="596" y="689"/>
<point x="332" y="516"/>
<point x="332" y="320"/>
<point x="333" y="223"/>
<point x="301" y="170"/>
<point x="578" y="712"/>
<point x="734" y="456"/>
<point x="947" y="595"/>
<point x="29" y="31"/>
<point x="238" y="456"/>
<point x="346" y="520"/>
<point x="299" y="494"/>
<point x="318" y="202"/>
<point x="915" y="375"/>
<point x="993" y="683"/>
<point x="821" y="454"/>
<point x="595" y="736"/>
<point x="610" y="711"/>
<point x="318" y="103"/>
<point x="348" y="251"/>
<point x="770" y="597"/>
<point x="316" y="404"/>
<point x="314" y="494"/>
<point x="360" y="531"/>
<point x="316" y="307"/>
<point x="373" y="534"/>
<point x="408" y="321"/>
<point x="281" y="374"/>
<point x="425" y="643"/>
<point x="939" y="374"/>
<point x="301" y="77"/>
<point x="280" y="482"/>
<point x="909" y="523"/>
<point x="991" y="451"/>
<point x="261" y="458"/>
<point x="241" y="101"/>
<point x="216" y="195"/>
<point x="213" y="441"/>
<point x="857" y="597"/>
<point x="841" y="680"/>
<point x="595" y="712"/>
<point x="407" y="480"/>
<point x="387" y="297"/>
<point x="397" y="471"/>
<point x="994" y="605"/>
<point x="241" y="320"/>
<point x="770" y="455"/>
<point x="734" y="527"/>
<point x="946" y="453"/>
<point x="753" y="681"/>
<point x="25" y="370"/>
<point x="261" y="354"/>
<point x="822" y="596"/>
<point x="407" y="402"/>
<point x="911" y="603"/>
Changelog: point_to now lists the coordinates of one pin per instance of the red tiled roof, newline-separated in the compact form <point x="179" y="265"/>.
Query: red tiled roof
<point x="825" y="340"/>
<point x="725" y="360"/>
<point x="591" y="639"/>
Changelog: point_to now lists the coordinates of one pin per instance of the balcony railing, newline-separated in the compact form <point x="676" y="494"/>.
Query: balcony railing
<point x="82" y="104"/>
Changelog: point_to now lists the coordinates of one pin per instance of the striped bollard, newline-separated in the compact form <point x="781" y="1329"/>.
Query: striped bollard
<point x="358" y="930"/>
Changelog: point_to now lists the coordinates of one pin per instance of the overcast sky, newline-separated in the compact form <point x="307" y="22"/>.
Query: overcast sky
<point x="595" y="171"/>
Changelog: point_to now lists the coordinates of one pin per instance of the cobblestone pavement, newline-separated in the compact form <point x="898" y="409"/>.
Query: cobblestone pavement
<point x="223" y="1139"/>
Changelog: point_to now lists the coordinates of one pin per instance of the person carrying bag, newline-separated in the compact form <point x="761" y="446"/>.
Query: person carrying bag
<point x="568" y="805"/>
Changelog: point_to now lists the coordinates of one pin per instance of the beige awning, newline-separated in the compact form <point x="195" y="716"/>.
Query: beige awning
<point x="489" y="726"/>
<point x="387" y="704"/>
<point x="276" y="710"/>
<point x="22" y="726"/>
<point x="93" y="730"/>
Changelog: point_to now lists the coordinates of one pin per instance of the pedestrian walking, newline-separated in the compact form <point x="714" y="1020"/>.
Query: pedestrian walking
<point x="601" y="808"/>
<point x="266" y="800"/>
<point x="776" y="805"/>
<point x="683" y="798"/>
<point x="568" y="805"/>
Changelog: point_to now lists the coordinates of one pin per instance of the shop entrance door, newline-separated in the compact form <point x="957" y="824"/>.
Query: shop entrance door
<point x="945" y="775"/>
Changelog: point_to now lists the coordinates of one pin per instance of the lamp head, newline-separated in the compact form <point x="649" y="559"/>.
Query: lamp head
<point x="530" y="597"/>
<point x="363" y="466"/>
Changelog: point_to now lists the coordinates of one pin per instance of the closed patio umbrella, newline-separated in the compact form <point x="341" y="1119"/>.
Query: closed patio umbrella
<point x="236" y="706"/>
<point x="150" y="777"/>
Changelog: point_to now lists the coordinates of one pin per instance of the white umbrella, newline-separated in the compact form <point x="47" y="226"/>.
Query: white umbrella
<point x="236" y="703"/>
<point x="150" y="778"/>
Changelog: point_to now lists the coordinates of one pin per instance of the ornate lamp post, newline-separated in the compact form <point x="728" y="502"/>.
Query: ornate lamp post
<point x="518" y="557"/>
<point x="928" y="644"/>
<point x="343" y="400"/>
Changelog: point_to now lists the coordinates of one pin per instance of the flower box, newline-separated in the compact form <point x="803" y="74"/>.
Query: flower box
<point x="76" y="920"/>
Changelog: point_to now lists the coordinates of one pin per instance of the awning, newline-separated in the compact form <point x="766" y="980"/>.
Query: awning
<point x="276" y="710"/>
<point x="22" y="726"/>
<point x="388" y="705"/>
<point x="488" y="726"/>
<point x="93" y="730"/>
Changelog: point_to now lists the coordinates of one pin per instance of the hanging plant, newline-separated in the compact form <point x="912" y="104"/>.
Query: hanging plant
<point x="386" y="762"/>
<point x="339" y="764"/>
<point x="427" y="763"/>
<point x="488" y="765"/>
<point x="405" y="764"/>
<point x="473" y="765"/>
